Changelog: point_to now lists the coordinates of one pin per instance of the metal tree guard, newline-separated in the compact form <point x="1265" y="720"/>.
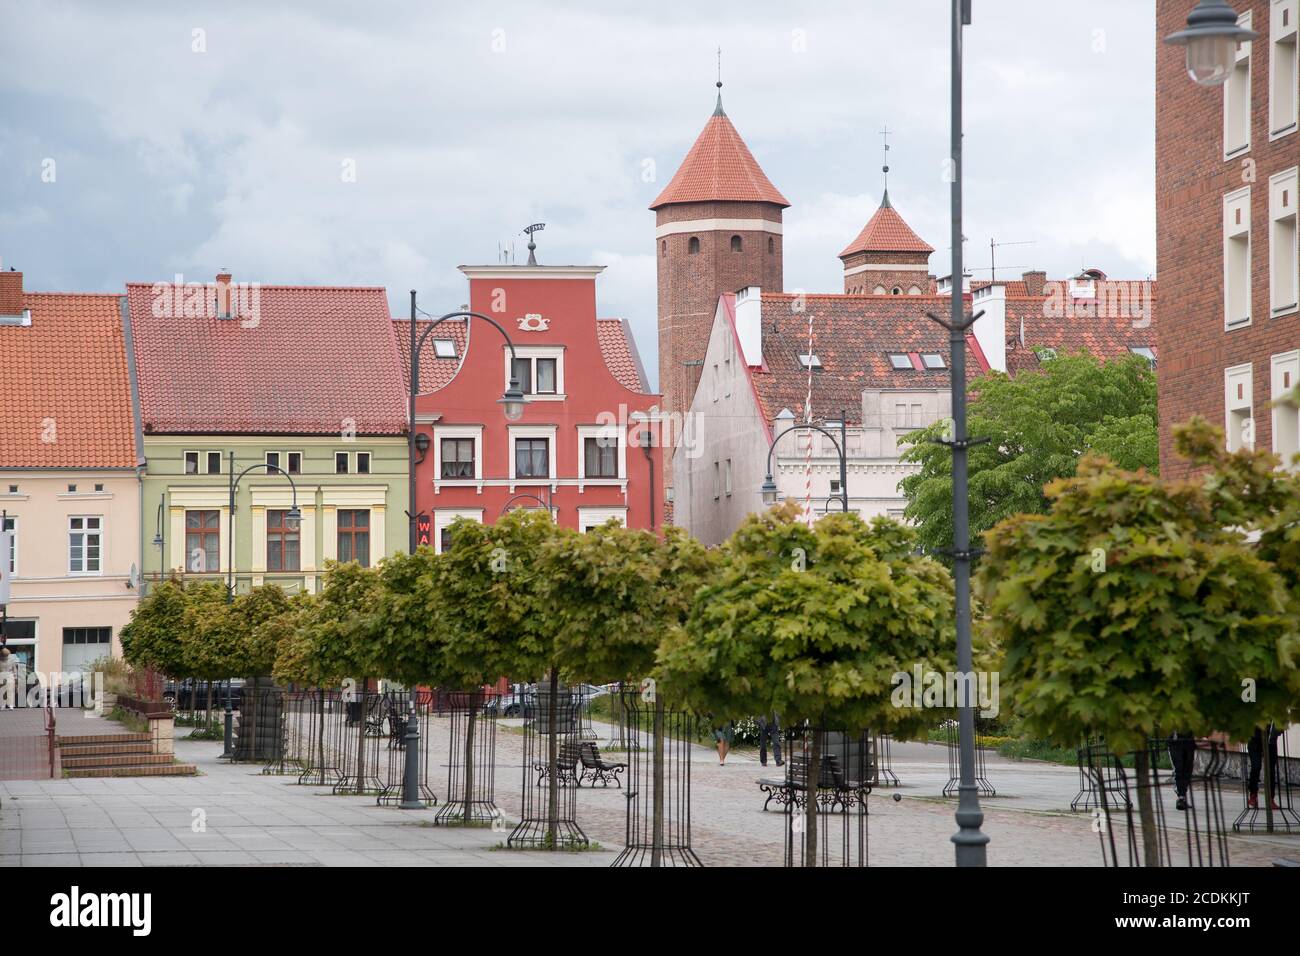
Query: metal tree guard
<point x="1087" y="798"/>
<point x="1196" y="836"/>
<point x="550" y="770"/>
<point x="296" y="710"/>
<point x="358" y="739"/>
<point x="885" y="776"/>
<point x="953" y="743"/>
<point x="1282" y="771"/>
<point x="316" y="736"/>
<point x="471" y="761"/>
<point x="398" y="714"/>
<point x="259" y="732"/>
<point x="658" y="788"/>
<point x="847" y="767"/>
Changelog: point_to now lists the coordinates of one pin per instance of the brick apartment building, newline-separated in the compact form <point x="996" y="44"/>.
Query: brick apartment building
<point x="1226" y="199"/>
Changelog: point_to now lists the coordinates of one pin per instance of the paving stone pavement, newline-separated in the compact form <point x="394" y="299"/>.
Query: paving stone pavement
<point x="252" y="819"/>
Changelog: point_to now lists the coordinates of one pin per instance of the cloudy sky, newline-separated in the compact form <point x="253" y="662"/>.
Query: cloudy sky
<point x="385" y="143"/>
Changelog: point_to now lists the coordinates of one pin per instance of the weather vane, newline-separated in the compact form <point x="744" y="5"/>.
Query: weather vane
<point x="532" y="245"/>
<point x="884" y="135"/>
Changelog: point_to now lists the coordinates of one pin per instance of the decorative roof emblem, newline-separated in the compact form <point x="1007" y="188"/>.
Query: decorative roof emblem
<point x="532" y="322"/>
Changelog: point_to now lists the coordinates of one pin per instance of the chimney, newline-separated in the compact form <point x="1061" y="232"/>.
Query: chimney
<point x="749" y="324"/>
<point x="991" y="328"/>
<point x="11" y="293"/>
<point x="224" y="310"/>
<point x="1034" y="282"/>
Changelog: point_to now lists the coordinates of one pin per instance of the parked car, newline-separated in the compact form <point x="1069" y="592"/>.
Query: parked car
<point x="513" y="703"/>
<point x="193" y="695"/>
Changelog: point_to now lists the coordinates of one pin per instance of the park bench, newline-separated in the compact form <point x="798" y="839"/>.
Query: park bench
<point x="834" y="787"/>
<point x="566" y="764"/>
<point x="597" y="768"/>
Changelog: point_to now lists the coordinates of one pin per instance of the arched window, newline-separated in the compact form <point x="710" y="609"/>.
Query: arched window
<point x="897" y="290"/>
<point x="915" y="290"/>
<point x="736" y="244"/>
<point x="663" y="248"/>
<point x="693" y="246"/>
<point x="771" y="246"/>
<point x="878" y="290"/>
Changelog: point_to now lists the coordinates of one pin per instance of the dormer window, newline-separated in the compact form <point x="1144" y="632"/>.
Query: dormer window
<point x="810" y="361"/>
<point x="444" y="348"/>
<point x="932" y="360"/>
<point x="900" y="361"/>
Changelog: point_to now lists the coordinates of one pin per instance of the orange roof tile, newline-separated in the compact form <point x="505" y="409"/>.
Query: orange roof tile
<point x="435" y="372"/>
<point x="67" y="388"/>
<point x="719" y="167"/>
<point x="621" y="357"/>
<point x="886" y="232"/>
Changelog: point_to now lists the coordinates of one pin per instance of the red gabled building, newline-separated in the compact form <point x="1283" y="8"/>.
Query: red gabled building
<point x="587" y="443"/>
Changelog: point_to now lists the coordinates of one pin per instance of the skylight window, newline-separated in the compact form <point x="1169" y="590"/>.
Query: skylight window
<point x="444" y="348"/>
<point x="1145" y="352"/>
<point x="899" y="360"/>
<point x="933" y="360"/>
<point x="810" y="361"/>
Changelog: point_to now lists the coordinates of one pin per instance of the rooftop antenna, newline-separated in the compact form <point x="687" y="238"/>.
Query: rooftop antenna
<point x="532" y="245"/>
<point x="884" y="134"/>
<point x="993" y="247"/>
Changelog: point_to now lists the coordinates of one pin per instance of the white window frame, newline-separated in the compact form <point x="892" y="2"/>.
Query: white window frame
<point x="347" y="458"/>
<point x="1236" y="78"/>
<point x="220" y="461"/>
<point x="595" y="517"/>
<point x="443" y="518"/>
<point x="1280" y="35"/>
<point x="459" y="431"/>
<point x="301" y="460"/>
<point x="532" y="353"/>
<point x="597" y="431"/>
<point x="1232" y="377"/>
<point x="444" y="348"/>
<point x="198" y="461"/>
<point x="1233" y="202"/>
<point x="532" y="431"/>
<point x="1279" y="365"/>
<point x="1283" y="185"/>
<point x="280" y="460"/>
<point x="85" y="532"/>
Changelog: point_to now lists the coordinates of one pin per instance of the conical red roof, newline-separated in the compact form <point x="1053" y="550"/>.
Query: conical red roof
<point x="887" y="232"/>
<point x="719" y="167"/>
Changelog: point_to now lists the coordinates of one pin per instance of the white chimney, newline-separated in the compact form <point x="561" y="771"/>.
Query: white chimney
<point x="991" y="327"/>
<point x="749" y="324"/>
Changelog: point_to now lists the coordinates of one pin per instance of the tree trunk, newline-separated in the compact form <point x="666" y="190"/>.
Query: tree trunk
<point x="552" y="759"/>
<point x="469" y="754"/>
<point x="810" y="799"/>
<point x="657" y="841"/>
<point x="1146" y="810"/>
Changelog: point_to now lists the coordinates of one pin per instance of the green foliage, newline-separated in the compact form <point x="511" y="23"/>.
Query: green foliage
<point x="1130" y="608"/>
<point x="209" y="640"/>
<point x="152" y="638"/>
<point x="813" y="623"/>
<point x="1039" y="424"/>
<point x="333" y="636"/>
<point x="615" y="594"/>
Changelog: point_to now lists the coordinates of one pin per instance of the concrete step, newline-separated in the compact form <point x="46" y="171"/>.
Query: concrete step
<point x="153" y="770"/>
<point x="93" y="750"/>
<point x="114" y="760"/>
<point x="83" y="739"/>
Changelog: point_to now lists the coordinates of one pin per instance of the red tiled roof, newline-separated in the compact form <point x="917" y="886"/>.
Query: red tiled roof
<point x="1012" y="286"/>
<point x="434" y="372"/>
<point x="621" y="357"/>
<point x="853" y="338"/>
<point x="310" y="360"/>
<point x="1104" y="327"/>
<point x="719" y="167"/>
<point x="66" y="386"/>
<point x="886" y="232"/>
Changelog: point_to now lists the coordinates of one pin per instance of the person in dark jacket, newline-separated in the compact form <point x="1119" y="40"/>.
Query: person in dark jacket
<point x="769" y="726"/>
<point x="1182" y="754"/>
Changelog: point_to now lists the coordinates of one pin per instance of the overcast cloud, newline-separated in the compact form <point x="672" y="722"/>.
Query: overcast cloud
<point x="467" y="121"/>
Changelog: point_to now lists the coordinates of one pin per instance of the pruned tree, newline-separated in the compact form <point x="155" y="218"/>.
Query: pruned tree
<point x="1130" y="607"/>
<point x="814" y="623"/>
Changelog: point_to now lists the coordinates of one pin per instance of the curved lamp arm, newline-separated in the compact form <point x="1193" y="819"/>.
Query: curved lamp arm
<point x="294" y="514"/>
<point x="512" y="394"/>
<point x="769" y="485"/>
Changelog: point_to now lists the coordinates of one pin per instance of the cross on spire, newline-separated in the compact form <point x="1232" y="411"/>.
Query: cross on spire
<point x="884" y="135"/>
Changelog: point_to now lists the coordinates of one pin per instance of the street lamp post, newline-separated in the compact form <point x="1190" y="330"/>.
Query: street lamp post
<point x="511" y="401"/>
<point x="970" y="843"/>
<point x="291" y="520"/>
<point x="769" y="490"/>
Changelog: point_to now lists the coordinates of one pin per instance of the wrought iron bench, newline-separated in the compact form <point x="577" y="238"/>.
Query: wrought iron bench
<point x="833" y="788"/>
<point x="566" y="764"/>
<point x="596" y="768"/>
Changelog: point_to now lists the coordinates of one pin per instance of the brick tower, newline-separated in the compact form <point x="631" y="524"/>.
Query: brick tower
<point x="718" y="229"/>
<point x="887" y="257"/>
